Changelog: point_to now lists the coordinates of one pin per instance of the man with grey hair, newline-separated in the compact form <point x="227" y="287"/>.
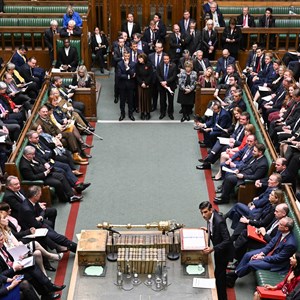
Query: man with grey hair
<point x="48" y="37"/>
<point x="273" y="257"/>
<point x="32" y="169"/>
<point x="71" y="30"/>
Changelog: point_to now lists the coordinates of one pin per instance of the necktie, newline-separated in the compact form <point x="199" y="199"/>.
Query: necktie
<point x="208" y="233"/>
<point x="166" y="72"/>
<point x="258" y="66"/>
<point x="225" y="63"/>
<point x="267" y="22"/>
<point x="275" y="246"/>
<point x="20" y="195"/>
<point x="7" y="259"/>
<point x="134" y="57"/>
<point x="244" y="21"/>
<point x="186" y="25"/>
<point x="18" y="76"/>
<point x="157" y="60"/>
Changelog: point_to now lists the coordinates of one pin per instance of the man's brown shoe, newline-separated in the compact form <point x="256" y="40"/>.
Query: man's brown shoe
<point x="79" y="160"/>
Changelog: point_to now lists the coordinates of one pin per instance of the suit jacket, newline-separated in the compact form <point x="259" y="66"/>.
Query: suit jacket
<point x="118" y="56"/>
<point x="238" y="159"/>
<point x="162" y="30"/>
<point x="220" y="17"/>
<point x="172" y="76"/>
<point x="151" y="42"/>
<point x="268" y="74"/>
<point x="197" y="65"/>
<point x="14" y="202"/>
<point x="76" y="32"/>
<point x="221" y="66"/>
<point x="240" y="20"/>
<point x="27" y="73"/>
<point x="224" y="120"/>
<point x="208" y="41"/>
<point x="236" y="35"/>
<point x="135" y="29"/>
<point x="94" y="43"/>
<point x="28" y="214"/>
<point x="126" y="77"/>
<point x="206" y="8"/>
<point x="193" y="43"/>
<point x="176" y="45"/>
<point x="181" y="24"/>
<point x="17" y="60"/>
<point x="256" y="169"/>
<point x="71" y="59"/>
<point x="220" y="236"/>
<point x="283" y="251"/>
<point x="32" y="170"/>
<point x="262" y="22"/>
<point x="48" y="38"/>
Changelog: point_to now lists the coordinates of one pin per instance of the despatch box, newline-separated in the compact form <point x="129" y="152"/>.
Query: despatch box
<point x="193" y="241"/>
<point x="91" y="247"/>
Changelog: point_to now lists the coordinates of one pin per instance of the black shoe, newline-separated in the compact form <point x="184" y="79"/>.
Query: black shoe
<point x="182" y="119"/>
<point x="72" y="247"/>
<point x="171" y="116"/>
<point x="122" y="117"/>
<point x="219" y="200"/>
<point x="202" y="160"/>
<point x="162" y="116"/>
<point x="49" y="268"/>
<point x="201" y="142"/>
<point x="86" y="146"/>
<point x="75" y="198"/>
<point x="153" y="109"/>
<point x="84" y="155"/>
<point x="116" y="100"/>
<point x="148" y="116"/>
<point x="131" y="117"/>
<point x="50" y="296"/>
<point x="231" y="279"/>
<point x="102" y="70"/>
<point x="143" y="116"/>
<point x="205" y="166"/>
<point x="81" y="187"/>
<point x="187" y="118"/>
<point x="203" y="146"/>
<point x="57" y="288"/>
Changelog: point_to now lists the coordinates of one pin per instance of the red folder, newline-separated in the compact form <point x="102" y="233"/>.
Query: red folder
<point x="269" y="294"/>
<point x="252" y="234"/>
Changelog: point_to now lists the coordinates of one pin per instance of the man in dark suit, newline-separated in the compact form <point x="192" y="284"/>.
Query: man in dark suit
<point x="184" y="23"/>
<point x="254" y="209"/>
<point x="193" y="38"/>
<point x="118" y="53"/>
<point x="48" y="37"/>
<point x="223" y="62"/>
<point x="27" y="71"/>
<point x="19" y="57"/>
<point x="245" y="20"/>
<point x="141" y="45"/>
<point x="216" y="15"/>
<point x="256" y="169"/>
<point x="67" y="57"/>
<point x="267" y="21"/>
<point x="176" y="42"/>
<point x="151" y="36"/>
<point x="200" y="63"/>
<point x="30" y="216"/>
<point x="274" y="256"/>
<point x="222" y="245"/>
<point x="131" y="27"/>
<point x="211" y="129"/>
<point x="15" y="197"/>
<point x="41" y="283"/>
<point x="167" y="77"/>
<point x="71" y="30"/>
<point x="126" y="85"/>
<point x="32" y="169"/>
<point x="160" y="26"/>
<point x="156" y="58"/>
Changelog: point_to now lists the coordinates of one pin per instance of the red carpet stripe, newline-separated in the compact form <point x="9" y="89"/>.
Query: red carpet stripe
<point x="71" y="223"/>
<point x="211" y="194"/>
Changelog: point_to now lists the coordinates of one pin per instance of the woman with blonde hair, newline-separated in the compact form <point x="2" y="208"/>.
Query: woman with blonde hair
<point x="207" y="80"/>
<point x="34" y="247"/>
<point x="187" y="86"/>
<point x="82" y="79"/>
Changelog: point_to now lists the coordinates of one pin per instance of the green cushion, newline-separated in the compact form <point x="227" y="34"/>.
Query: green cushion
<point x="42" y="9"/>
<point x="18" y="9"/>
<point x="266" y="277"/>
<point x="9" y="22"/>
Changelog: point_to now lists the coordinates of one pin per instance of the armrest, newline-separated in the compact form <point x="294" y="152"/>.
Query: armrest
<point x="33" y="182"/>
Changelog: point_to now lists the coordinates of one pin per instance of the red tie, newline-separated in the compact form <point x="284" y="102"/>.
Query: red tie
<point x="244" y="22"/>
<point x="274" y="248"/>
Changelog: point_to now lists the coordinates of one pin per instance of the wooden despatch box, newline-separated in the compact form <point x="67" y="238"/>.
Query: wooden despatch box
<point x="91" y="247"/>
<point x="192" y="241"/>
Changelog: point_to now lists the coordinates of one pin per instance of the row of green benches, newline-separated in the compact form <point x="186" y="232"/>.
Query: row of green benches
<point x="266" y="277"/>
<point x="42" y="9"/>
<point x="259" y="10"/>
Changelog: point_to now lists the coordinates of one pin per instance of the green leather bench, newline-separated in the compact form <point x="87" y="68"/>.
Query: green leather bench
<point x="42" y="9"/>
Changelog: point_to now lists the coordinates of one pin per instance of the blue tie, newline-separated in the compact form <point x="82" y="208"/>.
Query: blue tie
<point x="166" y="72"/>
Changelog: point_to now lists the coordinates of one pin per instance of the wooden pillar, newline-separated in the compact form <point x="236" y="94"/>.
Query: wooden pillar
<point x="85" y="47"/>
<point x="92" y="12"/>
